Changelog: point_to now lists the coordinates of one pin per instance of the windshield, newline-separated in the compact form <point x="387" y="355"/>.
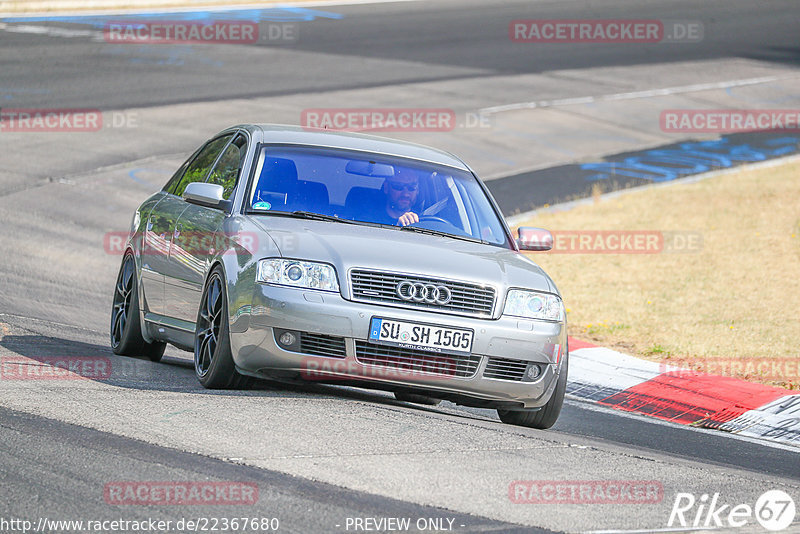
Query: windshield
<point x="374" y="189"/>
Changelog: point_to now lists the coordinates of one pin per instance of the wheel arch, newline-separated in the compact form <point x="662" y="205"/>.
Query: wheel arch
<point x="137" y="272"/>
<point x="240" y="283"/>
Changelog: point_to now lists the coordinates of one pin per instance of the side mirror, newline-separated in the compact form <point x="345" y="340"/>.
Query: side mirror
<point x="531" y="238"/>
<point x="207" y="195"/>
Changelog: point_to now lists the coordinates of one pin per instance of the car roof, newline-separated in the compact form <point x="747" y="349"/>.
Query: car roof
<point x="286" y="134"/>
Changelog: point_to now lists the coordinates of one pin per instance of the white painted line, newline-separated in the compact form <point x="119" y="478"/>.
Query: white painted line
<point x="193" y="8"/>
<point x="690" y="88"/>
<point x="648" y="531"/>
<point x="649" y="93"/>
<point x="520" y="218"/>
<point x="48" y="30"/>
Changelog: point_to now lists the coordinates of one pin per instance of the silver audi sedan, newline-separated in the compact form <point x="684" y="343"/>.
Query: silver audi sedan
<point x="289" y="254"/>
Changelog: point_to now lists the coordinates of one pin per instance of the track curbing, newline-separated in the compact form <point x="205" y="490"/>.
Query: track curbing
<point x="623" y="382"/>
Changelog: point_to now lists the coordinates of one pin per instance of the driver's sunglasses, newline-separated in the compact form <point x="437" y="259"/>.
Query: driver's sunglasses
<point x="400" y="187"/>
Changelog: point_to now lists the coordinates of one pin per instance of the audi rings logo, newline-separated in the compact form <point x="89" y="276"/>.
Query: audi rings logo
<point x="427" y="293"/>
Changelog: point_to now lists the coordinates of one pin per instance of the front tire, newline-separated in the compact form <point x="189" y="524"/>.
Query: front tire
<point x="126" y="326"/>
<point x="213" y="359"/>
<point x="547" y="415"/>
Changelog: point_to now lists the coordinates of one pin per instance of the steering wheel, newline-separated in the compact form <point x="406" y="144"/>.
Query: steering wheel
<point x="434" y="218"/>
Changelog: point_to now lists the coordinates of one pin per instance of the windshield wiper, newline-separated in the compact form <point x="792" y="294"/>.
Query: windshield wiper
<point x="321" y="217"/>
<point x="428" y="231"/>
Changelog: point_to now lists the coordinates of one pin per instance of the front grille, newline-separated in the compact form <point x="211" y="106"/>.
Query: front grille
<point x="466" y="298"/>
<point x="415" y="360"/>
<point x="503" y="369"/>
<point x="322" y="345"/>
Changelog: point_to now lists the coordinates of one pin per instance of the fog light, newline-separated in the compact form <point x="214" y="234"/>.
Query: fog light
<point x="533" y="371"/>
<point x="287" y="339"/>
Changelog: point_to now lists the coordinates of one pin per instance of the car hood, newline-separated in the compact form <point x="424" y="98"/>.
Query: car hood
<point x="347" y="246"/>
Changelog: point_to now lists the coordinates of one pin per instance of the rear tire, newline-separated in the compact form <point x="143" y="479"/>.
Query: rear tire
<point x="126" y="326"/>
<point x="416" y="398"/>
<point x="547" y="415"/>
<point x="213" y="359"/>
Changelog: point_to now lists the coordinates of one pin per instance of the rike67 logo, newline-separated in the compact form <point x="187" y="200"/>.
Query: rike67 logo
<point x="774" y="510"/>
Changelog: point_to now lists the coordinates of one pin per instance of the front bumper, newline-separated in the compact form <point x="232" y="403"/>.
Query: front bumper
<point x="526" y="342"/>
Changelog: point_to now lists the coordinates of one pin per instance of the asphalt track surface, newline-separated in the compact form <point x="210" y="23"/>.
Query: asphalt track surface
<point x="432" y="38"/>
<point x="36" y="473"/>
<point x="57" y="460"/>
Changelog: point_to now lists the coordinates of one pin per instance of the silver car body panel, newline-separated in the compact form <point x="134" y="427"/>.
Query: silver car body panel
<point x="256" y="310"/>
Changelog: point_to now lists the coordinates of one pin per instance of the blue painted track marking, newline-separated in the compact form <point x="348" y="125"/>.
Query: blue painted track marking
<point x="132" y="174"/>
<point x="663" y="165"/>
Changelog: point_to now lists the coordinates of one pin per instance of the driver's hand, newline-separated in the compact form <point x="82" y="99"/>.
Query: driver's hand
<point x="407" y="218"/>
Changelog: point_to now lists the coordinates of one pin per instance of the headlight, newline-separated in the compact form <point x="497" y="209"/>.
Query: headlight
<point x="294" y="273"/>
<point x="534" y="305"/>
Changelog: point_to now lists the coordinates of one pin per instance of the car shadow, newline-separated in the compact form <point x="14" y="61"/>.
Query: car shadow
<point x="45" y="359"/>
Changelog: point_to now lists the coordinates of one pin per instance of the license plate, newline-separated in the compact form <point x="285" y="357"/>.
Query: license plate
<point x="421" y="336"/>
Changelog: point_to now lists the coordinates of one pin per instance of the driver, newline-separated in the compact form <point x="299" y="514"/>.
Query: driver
<point x="401" y="192"/>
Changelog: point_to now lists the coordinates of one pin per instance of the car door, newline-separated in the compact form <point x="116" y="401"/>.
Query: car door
<point x="155" y="245"/>
<point x="160" y="224"/>
<point x="197" y="238"/>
